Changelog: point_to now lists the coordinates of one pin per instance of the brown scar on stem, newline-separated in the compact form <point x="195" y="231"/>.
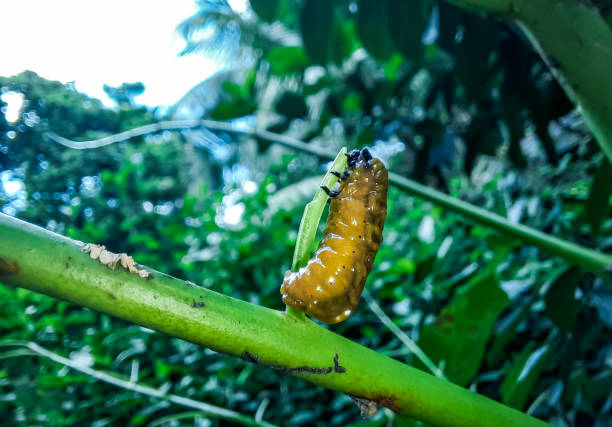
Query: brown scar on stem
<point x="367" y="407"/>
<point x="9" y="266"/>
<point x="111" y="260"/>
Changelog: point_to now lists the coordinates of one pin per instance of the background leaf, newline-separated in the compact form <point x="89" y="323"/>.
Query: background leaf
<point x="372" y="28"/>
<point x="561" y="303"/>
<point x="461" y="331"/>
<point x="407" y="22"/>
<point x="265" y="9"/>
<point x="522" y="376"/>
<point x="316" y="25"/>
<point x="598" y="203"/>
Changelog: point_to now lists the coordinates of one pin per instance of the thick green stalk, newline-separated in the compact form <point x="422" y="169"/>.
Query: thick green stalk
<point x="588" y="259"/>
<point x="576" y="42"/>
<point x="45" y="262"/>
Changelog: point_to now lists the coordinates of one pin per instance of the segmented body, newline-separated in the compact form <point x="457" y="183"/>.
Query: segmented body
<point x="328" y="288"/>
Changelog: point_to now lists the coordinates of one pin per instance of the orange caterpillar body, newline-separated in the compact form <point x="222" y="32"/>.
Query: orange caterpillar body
<point x="328" y="288"/>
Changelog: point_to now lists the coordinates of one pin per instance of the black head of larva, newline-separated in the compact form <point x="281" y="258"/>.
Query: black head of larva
<point x="355" y="155"/>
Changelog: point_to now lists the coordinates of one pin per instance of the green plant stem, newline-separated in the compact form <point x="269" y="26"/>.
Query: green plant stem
<point x="313" y="212"/>
<point x="205" y="409"/>
<point x="45" y="262"/>
<point x="576" y="43"/>
<point x="588" y="259"/>
<point x="310" y="221"/>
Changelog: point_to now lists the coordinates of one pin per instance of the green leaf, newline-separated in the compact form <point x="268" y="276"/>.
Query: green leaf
<point x="473" y="66"/>
<point x="450" y="17"/>
<point x="316" y="20"/>
<point x="561" y="303"/>
<point x="287" y="60"/>
<point x="265" y="9"/>
<point x="505" y="330"/>
<point x="344" y="40"/>
<point x="291" y="105"/>
<point x="312" y="214"/>
<point x="372" y="24"/>
<point x="460" y="333"/>
<point x="407" y="22"/>
<point x="226" y="110"/>
<point x="522" y="376"/>
<point x="352" y="103"/>
<point x="598" y="204"/>
<point x="234" y="90"/>
<point x="144" y="239"/>
<point x="63" y="381"/>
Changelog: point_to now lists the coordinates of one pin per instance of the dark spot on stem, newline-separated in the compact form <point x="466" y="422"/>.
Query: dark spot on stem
<point x="9" y="266"/>
<point x="249" y="357"/>
<point x="310" y="370"/>
<point x="111" y="296"/>
<point x="337" y="367"/>
<point x="313" y="369"/>
<point x="198" y="304"/>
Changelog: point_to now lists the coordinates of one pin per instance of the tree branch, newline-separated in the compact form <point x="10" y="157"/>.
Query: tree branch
<point x="45" y="262"/>
<point x="588" y="259"/>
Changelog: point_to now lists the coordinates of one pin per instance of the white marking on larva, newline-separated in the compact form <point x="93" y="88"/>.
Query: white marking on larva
<point x="347" y="312"/>
<point x="319" y="289"/>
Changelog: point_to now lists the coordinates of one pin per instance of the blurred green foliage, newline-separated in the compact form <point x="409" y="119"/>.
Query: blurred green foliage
<point x="480" y="117"/>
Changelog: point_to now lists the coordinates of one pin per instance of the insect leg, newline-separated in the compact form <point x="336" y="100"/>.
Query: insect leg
<point x="344" y="175"/>
<point x="330" y="193"/>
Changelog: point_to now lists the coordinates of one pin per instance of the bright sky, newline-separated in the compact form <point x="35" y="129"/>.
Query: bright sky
<point x="94" y="43"/>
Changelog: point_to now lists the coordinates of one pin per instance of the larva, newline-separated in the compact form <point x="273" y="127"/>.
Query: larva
<point x="328" y="288"/>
